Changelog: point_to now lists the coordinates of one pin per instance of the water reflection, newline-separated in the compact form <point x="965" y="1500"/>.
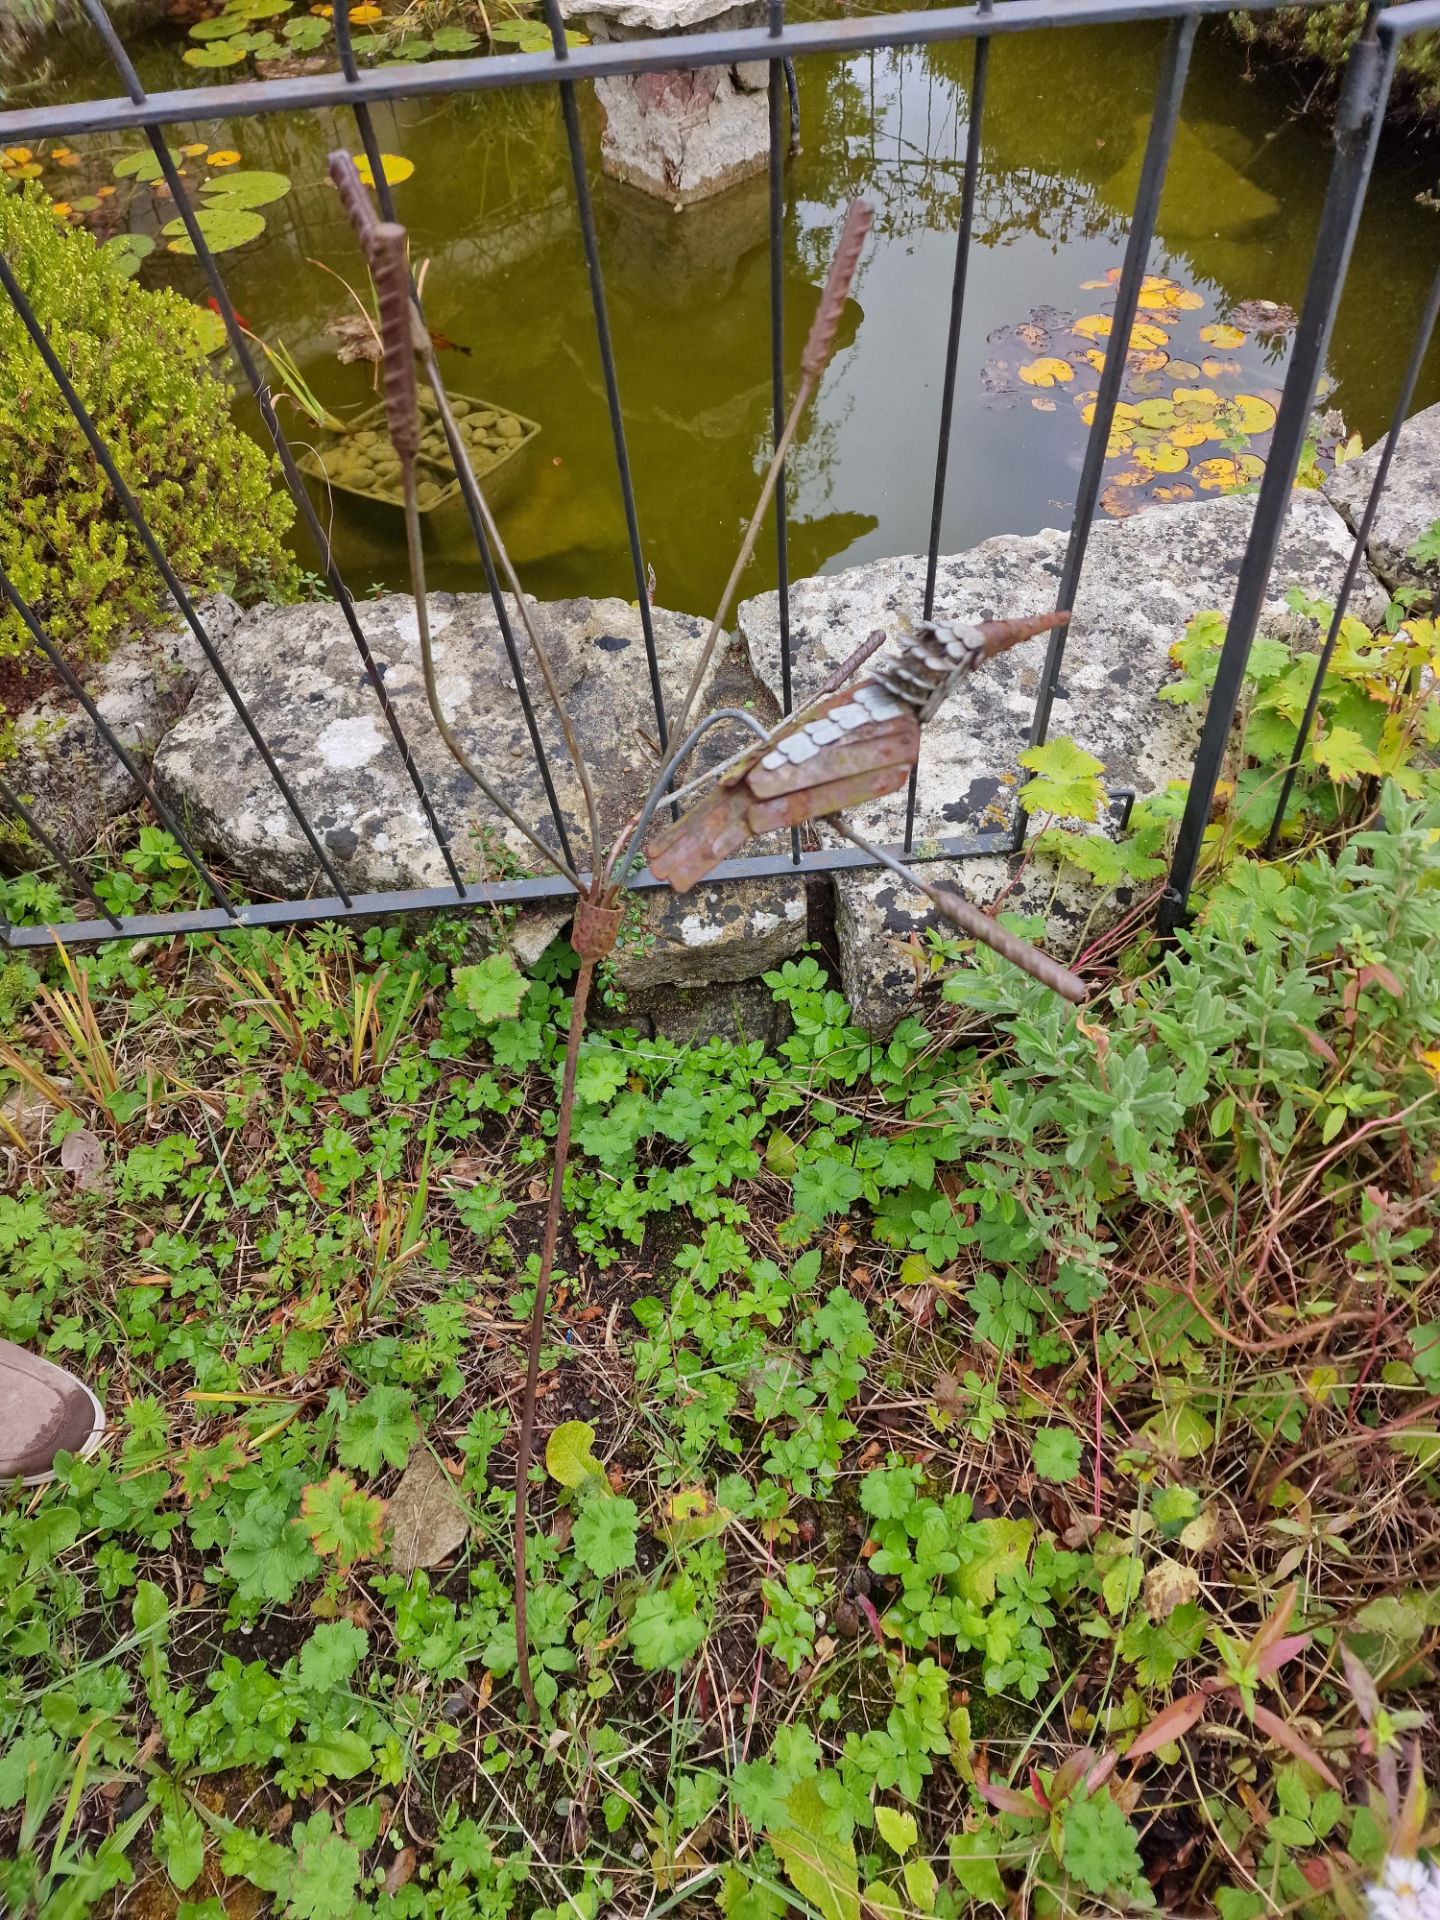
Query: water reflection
<point x="490" y="205"/>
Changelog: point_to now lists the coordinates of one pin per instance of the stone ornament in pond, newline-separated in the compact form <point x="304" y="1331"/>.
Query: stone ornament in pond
<point x="688" y="133"/>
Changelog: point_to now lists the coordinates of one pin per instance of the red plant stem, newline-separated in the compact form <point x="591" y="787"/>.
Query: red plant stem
<point x="537" y="1318"/>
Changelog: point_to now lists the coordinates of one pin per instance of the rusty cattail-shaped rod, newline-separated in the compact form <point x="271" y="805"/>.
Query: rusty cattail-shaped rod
<point x="390" y="270"/>
<point x="817" y="351"/>
<point x="846" y="258"/>
<point x="353" y="198"/>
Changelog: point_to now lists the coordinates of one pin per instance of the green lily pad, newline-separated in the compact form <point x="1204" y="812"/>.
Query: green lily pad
<point x="217" y="53"/>
<point x="143" y="165"/>
<point x="249" y="189"/>
<point x="224" y="228"/>
<point x="211" y="330"/>
<point x="454" y="40"/>
<point x="263" y="9"/>
<point x="262" y="43"/>
<point x="307" y="33"/>
<point x="220" y="28"/>
<point x="127" y="251"/>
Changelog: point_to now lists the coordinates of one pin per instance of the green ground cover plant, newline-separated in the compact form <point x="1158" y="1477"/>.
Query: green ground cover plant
<point x="137" y="357"/>
<point x="926" y="1421"/>
<point x="987" y="1466"/>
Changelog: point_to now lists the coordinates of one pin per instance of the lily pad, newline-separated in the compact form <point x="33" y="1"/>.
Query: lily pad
<point x="1048" y="371"/>
<point x="128" y="251"/>
<point x="396" y="168"/>
<point x="454" y="40"/>
<point x="211" y="330"/>
<point x="305" y="34"/>
<point x="263" y="9"/>
<point x="1222" y="336"/>
<point x="248" y="189"/>
<point x="143" y="165"/>
<point x="216" y="53"/>
<point x="224" y="229"/>
<point x="220" y="28"/>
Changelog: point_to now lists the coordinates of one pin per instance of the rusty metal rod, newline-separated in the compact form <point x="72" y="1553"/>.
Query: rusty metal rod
<point x="977" y="925"/>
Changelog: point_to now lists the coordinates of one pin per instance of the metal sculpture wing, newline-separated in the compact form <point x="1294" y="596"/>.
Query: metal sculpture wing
<point x="852" y="746"/>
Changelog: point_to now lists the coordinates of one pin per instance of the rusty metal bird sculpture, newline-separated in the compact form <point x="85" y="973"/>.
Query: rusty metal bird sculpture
<point x="851" y="746"/>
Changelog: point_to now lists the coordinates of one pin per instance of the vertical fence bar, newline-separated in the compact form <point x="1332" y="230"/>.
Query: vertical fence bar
<point x="570" y="110"/>
<point x="1357" y="554"/>
<point x="776" y="23"/>
<point x="136" y="515"/>
<point x="130" y="79"/>
<point x="1357" y="134"/>
<point x="57" y="853"/>
<point x="76" y="687"/>
<point x="1163" y="121"/>
<point x="963" y="237"/>
<point x="365" y="123"/>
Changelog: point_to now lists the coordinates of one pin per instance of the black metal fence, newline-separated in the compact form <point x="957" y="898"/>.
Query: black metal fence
<point x="1359" y="117"/>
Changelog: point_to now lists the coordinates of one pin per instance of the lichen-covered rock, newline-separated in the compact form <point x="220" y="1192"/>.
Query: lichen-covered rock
<point x="1409" y="506"/>
<point x="72" y="781"/>
<point x="301" y="677"/>
<point x="1143" y="579"/>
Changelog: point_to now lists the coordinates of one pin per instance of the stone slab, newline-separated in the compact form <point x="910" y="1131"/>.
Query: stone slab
<point x="72" y="781"/>
<point x="1409" y="506"/>
<point x="300" y="674"/>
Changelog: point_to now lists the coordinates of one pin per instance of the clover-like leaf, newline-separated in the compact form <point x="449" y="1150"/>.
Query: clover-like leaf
<point x="492" y="989"/>
<point x="1067" y="780"/>
<point x="604" y="1533"/>
<point x="340" y="1520"/>
<point x="1055" y="1453"/>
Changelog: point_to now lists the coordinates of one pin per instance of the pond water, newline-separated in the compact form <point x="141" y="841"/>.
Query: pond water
<point x="490" y="205"/>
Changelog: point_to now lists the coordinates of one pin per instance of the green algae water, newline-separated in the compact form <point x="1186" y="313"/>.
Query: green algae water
<point x="490" y="206"/>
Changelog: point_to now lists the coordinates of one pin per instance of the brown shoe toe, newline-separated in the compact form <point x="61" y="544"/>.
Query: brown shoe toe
<point x="43" y="1411"/>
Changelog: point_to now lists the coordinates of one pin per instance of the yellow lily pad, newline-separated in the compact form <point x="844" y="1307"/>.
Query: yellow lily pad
<point x="1256" y="415"/>
<point x="1131" y="477"/>
<point x="1157" y="413"/>
<point x="1048" y="371"/>
<point x="1146" y="337"/>
<point x="1190" y="433"/>
<point x="1093" y="326"/>
<point x="1117" y="444"/>
<point x="398" y="168"/>
<point x="1177" y="490"/>
<point x="1096" y="357"/>
<point x="1219" y="335"/>
<point x="1164" y="457"/>
<point x="1216" y="475"/>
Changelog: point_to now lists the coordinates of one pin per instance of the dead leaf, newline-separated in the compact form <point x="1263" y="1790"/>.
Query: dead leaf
<point x="401" y="1870"/>
<point x="357" y="337"/>
<point x="1169" y="1585"/>
<point x="427" y="1522"/>
<point x="82" y="1154"/>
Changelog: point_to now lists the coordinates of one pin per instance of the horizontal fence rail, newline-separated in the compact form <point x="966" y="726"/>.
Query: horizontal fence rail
<point x="355" y="91"/>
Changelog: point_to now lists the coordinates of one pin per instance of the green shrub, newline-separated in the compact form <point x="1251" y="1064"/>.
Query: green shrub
<point x="136" y="361"/>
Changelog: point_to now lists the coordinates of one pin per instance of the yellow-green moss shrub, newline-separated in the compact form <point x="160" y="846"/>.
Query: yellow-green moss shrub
<point x="211" y="496"/>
